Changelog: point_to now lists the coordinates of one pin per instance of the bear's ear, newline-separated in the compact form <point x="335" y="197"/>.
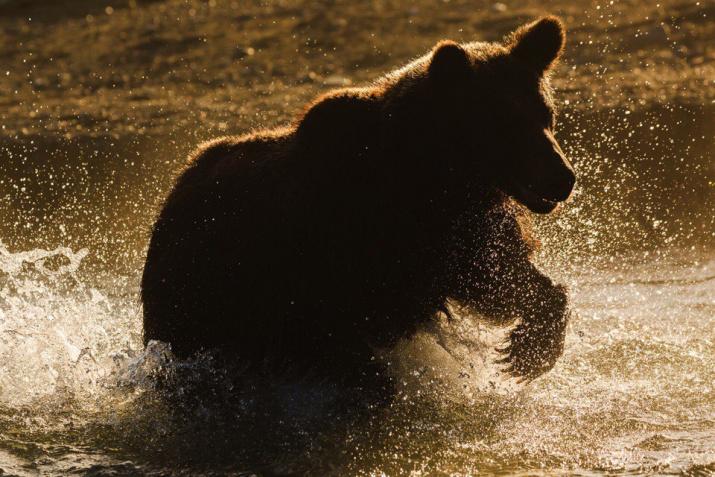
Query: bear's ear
<point x="449" y="62"/>
<point x="539" y="44"/>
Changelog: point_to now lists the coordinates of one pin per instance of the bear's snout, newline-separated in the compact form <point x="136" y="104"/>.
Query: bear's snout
<point x="547" y="180"/>
<point x="562" y="183"/>
<point x="559" y="178"/>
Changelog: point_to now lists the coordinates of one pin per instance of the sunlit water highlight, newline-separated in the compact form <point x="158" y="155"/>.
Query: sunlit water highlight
<point x="633" y="393"/>
<point x="89" y="146"/>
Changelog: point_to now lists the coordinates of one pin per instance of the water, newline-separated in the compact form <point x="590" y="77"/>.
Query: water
<point x="91" y="139"/>
<point x="633" y="393"/>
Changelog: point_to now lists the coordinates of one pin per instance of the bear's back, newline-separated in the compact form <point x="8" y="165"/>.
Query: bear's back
<point x="209" y="229"/>
<point x="296" y="241"/>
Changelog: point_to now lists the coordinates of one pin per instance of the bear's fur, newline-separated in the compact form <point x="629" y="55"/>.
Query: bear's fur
<point x="309" y="246"/>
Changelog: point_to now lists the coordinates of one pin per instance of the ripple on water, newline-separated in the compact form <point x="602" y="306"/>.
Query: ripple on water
<point x="633" y="393"/>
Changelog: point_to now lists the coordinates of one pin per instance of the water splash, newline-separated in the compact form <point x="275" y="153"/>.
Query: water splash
<point x="57" y="333"/>
<point x="632" y="394"/>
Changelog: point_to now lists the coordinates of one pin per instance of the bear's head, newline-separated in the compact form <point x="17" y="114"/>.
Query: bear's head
<point x="493" y="115"/>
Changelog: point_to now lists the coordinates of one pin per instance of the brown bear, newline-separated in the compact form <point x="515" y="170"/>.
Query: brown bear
<point x="307" y="247"/>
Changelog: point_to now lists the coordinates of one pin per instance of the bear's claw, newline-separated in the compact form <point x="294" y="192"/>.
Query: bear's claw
<point x="534" y="346"/>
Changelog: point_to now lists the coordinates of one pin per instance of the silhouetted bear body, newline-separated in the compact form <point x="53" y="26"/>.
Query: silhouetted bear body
<point x="309" y="246"/>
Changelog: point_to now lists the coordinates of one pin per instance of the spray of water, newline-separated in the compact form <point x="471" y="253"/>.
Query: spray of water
<point x="79" y="394"/>
<point x="632" y="393"/>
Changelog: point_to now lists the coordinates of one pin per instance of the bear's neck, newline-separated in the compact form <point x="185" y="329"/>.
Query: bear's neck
<point x="429" y="164"/>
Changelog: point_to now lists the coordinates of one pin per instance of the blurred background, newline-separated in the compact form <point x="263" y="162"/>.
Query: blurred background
<point x="102" y="101"/>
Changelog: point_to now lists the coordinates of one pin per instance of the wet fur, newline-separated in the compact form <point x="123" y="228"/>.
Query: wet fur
<point x="304" y="248"/>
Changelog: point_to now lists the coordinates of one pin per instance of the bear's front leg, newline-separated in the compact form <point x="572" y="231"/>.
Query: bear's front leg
<point x="504" y="286"/>
<point x="537" y="342"/>
<point x="517" y="289"/>
<point x="491" y="271"/>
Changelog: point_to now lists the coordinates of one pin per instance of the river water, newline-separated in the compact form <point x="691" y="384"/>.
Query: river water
<point x="634" y="393"/>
